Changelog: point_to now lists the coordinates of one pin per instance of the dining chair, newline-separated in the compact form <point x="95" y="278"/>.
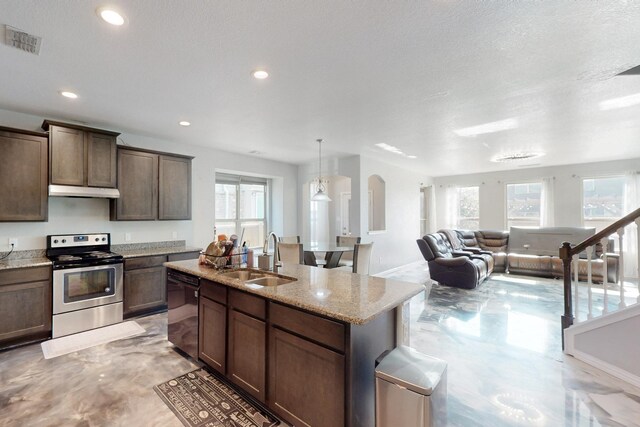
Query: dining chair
<point x="347" y="257"/>
<point x="289" y="239"/>
<point x="361" y="259"/>
<point x="290" y="253"/>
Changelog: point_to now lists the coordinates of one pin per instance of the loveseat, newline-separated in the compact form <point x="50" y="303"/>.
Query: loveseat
<point x="531" y="251"/>
<point x="462" y="269"/>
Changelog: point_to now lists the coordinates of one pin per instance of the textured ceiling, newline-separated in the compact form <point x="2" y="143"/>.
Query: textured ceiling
<point x="354" y="73"/>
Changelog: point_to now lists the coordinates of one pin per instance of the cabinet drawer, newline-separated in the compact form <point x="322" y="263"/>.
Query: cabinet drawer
<point x="183" y="256"/>
<point x="319" y="329"/>
<point x="213" y="291"/>
<point x="22" y="275"/>
<point x="144" y="262"/>
<point x="248" y="304"/>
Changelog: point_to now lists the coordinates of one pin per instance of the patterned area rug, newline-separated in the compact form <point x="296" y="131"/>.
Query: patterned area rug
<point x="200" y="400"/>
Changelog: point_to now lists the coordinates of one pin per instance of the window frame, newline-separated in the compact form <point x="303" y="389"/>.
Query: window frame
<point x="506" y="203"/>
<point x="225" y="178"/>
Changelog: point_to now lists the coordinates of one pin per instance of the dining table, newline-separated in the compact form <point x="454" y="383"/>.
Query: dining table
<point x="332" y="250"/>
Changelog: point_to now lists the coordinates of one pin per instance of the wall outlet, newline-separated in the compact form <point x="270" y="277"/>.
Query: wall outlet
<point x="13" y="241"/>
<point x="379" y="260"/>
<point x="127" y="237"/>
<point x="174" y="235"/>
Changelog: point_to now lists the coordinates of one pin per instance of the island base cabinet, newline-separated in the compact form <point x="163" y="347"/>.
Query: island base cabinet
<point x="247" y="353"/>
<point x="306" y="381"/>
<point x="213" y="334"/>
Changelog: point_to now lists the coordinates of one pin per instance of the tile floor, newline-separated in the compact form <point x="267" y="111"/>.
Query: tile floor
<point x="501" y="341"/>
<point x="503" y="346"/>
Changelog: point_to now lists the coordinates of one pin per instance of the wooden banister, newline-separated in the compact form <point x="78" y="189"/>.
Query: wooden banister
<point x="622" y="222"/>
<point x="567" y="252"/>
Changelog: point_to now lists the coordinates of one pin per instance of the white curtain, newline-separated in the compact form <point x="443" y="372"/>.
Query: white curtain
<point x="453" y="204"/>
<point x="546" y="202"/>
<point x="631" y="203"/>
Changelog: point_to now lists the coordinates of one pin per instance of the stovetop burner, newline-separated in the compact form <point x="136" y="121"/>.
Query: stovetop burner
<point x="78" y="250"/>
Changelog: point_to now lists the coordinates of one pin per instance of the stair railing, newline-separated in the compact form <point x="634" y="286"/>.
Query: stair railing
<point x="571" y="263"/>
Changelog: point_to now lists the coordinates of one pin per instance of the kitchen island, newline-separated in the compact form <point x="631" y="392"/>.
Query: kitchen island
<point x="306" y="348"/>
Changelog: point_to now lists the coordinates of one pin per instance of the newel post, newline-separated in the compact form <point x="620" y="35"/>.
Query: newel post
<point x="567" y="317"/>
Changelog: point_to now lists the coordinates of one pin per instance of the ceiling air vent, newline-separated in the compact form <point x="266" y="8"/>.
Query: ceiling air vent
<point x="635" y="71"/>
<point x="514" y="157"/>
<point x="23" y="41"/>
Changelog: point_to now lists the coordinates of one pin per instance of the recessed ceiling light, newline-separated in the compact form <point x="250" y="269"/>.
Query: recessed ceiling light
<point x="67" y="94"/>
<point x="110" y="16"/>
<point x="514" y="157"/>
<point x="488" y="128"/>
<point x="622" y="102"/>
<point x="184" y="123"/>
<point x="260" y="74"/>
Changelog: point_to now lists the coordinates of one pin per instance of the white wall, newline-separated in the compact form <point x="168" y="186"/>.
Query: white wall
<point x="567" y="191"/>
<point x="397" y="245"/>
<point x="69" y="215"/>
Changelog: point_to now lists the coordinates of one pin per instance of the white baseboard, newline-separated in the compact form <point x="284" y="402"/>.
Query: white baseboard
<point x="608" y="368"/>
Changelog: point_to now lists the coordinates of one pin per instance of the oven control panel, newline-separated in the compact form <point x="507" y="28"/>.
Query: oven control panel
<point x="69" y="240"/>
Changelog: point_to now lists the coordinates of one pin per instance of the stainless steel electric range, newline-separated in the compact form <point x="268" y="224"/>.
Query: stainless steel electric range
<point x="87" y="282"/>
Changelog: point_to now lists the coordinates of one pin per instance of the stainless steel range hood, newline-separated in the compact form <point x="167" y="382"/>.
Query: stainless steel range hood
<point x="73" y="191"/>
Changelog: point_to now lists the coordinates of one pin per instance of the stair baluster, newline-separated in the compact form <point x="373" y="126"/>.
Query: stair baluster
<point x="589" y="281"/>
<point x="605" y="275"/>
<point x="576" y="304"/>
<point x="637" y="221"/>
<point x="622" y="304"/>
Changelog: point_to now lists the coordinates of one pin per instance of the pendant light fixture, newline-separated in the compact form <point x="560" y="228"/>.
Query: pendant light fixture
<point x="320" y="195"/>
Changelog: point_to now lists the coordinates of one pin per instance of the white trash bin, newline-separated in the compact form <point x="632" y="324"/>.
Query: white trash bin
<point x="411" y="390"/>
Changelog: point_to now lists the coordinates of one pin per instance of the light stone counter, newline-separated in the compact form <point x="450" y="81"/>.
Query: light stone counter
<point x="340" y="295"/>
<point x="136" y="250"/>
<point x="24" y="259"/>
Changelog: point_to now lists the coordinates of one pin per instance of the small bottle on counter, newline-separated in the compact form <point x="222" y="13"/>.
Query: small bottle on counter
<point x="249" y="258"/>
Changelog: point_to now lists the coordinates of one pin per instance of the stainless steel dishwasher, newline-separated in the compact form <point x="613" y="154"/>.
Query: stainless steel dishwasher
<point x="183" y="296"/>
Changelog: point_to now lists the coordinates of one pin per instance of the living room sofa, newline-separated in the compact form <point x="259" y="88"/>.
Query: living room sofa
<point x="450" y="267"/>
<point x="529" y="251"/>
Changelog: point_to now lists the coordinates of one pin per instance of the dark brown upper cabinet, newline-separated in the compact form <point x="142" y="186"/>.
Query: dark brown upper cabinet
<point x="81" y="156"/>
<point x="152" y="185"/>
<point x="24" y="176"/>
<point x="175" y="187"/>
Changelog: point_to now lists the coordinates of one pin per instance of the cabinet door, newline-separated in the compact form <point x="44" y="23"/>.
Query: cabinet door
<point x="24" y="177"/>
<point x="247" y="353"/>
<point x="138" y="185"/>
<point x="25" y="310"/>
<point x="101" y="160"/>
<point x="144" y="290"/>
<point x="213" y="334"/>
<point x="175" y="188"/>
<point x="299" y="372"/>
<point x="67" y="156"/>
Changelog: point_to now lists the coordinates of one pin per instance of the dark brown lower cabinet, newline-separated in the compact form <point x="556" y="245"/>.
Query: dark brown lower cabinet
<point x="306" y="381"/>
<point x="309" y="369"/>
<point x="247" y="353"/>
<point x="212" y="335"/>
<point x="25" y="305"/>
<point x="144" y="290"/>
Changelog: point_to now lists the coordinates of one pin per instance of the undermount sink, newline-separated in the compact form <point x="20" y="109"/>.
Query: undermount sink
<point x="257" y="279"/>
<point x="269" y="281"/>
<point x="243" y="275"/>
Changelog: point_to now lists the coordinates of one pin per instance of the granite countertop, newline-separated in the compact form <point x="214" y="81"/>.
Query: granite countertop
<point x="140" y="252"/>
<point x="341" y="295"/>
<point x="8" y="264"/>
